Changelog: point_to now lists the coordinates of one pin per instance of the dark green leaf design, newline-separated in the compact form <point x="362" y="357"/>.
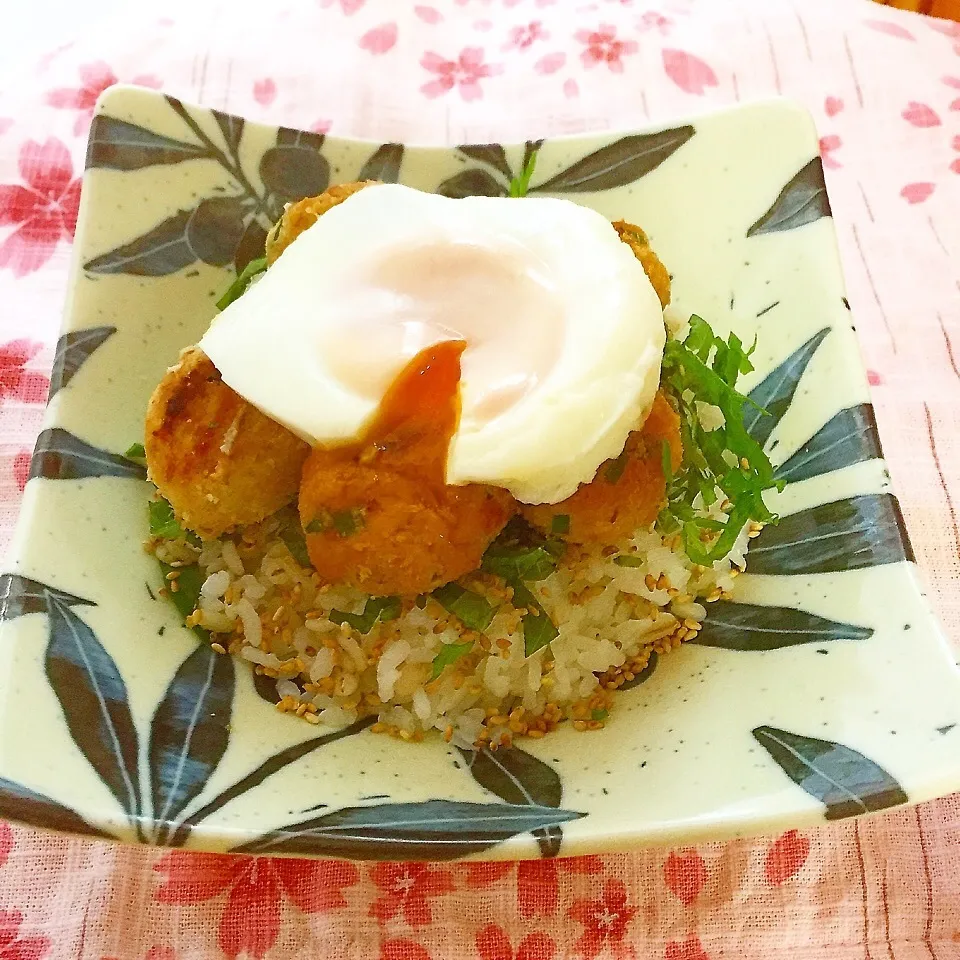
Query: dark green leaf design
<point x="159" y="252"/>
<point x="851" y="534"/>
<point x="288" y="137"/>
<point x="232" y="129"/>
<point x="472" y="183"/>
<point x="803" y="200"/>
<point x="775" y="392"/>
<point x="294" y="172"/>
<point x="215" y="229"/>
<point x="743" y="626"/>
<point x="266" y="688"/>
<point x="266" y="769"/>
<point x="845" y="781"/>
<point x="644" y="675"/>
<point x="119" y="145"/>
<point x="518" y="777"/>
<point x="73" y="349"/>
<point x="23" y="805"/>
<point x="492" y="154"/>
<point x="432" y="830"/>
<point x="94" y="700"/>
<point x="21" y="595"/>
<point x="850" y="436"/>
<point x="60" y="455"/>
<point x="384" y="164"/>
<point x="190" y="731"/>
<point x="618" y="163"/>
<point x="251" y="247"/>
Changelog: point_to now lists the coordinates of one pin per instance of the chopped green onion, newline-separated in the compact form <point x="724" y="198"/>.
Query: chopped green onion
<point x="376" y="608"/>
<point x="519" y="185"/>
<point x="136" y="452"/>
<point x="613" y="471"/>
<point x="626" y="560"/>
<point x="449" y="653"/>
<point x="560" y="523"/>
<point x="239" y="286"/>
<point x="474" y="611"/>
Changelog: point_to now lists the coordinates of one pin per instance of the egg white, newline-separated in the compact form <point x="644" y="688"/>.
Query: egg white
<point x="604" y="361"/>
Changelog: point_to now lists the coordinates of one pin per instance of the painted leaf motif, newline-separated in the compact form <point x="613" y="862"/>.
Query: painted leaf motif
<point x="231" y="128"/>
<point x="288" y="137"/>
<point x="803" y="200"/>
<point x="618" y="163"/>
<point x="21" y="595"/>
<point x="190" y="730"/>
<point x="472" y="183"/>
<point x="23" y="805"/>
<point x="384" y="164"/>
<point x="845" y="781"/>
<point x="215" y="229"/>
<point x="518" y="777"/>
<point x="294" y="172"/>
<point x="159" y="252"/>
<point x="94" y="700"/>
<point x="645" y="674"/>
<point x="119" y="145"/>
<point x="743" y="626"/>
<point x="492" y="154"/>
<point x="775" y="392"/>
<point x="864" y="531"/>
<point x="251" y="247"/>
<point x="432" y="830"/>
<point x="266" y="769"/>
<point x="73" y="349"/>
<point x="59" y="455"/>
<point x="849" y="437"/>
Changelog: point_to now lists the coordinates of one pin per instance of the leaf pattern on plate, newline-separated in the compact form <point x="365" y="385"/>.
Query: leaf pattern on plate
<point x="288" y="137"/>
<point x="518" y="777"/>
<point x="190" y="731"/>
<point x="849" y="437"/>
<point x="73" y="349"/>
<point x="850" y="534"/>
<point x="803" y="200"/>
<point x="21" y="595"/>
<point x="216" y="228"/>
<point x="776" y="391"/>
<point x="845" y="781"/>
<point x="93" y="696"/>
<point x="119" y="145"/>
<point x="294" y="172"/>
<point x="251" y="247"/>
<point x="162" y="250"/>
<point x="472" y="183"/>
<point x="744" y="626"/>
<point x="384" y="164"/>
<point x="644" y="675"/>
<point x="491" y="154"/>
<point x="59" y="455"/>
<point x="231" y="128"/>
<point x="266" y="769"/>
<point x="23" y="805"/>
<point x="431" y="830"/>
<point x="619" y="163"/>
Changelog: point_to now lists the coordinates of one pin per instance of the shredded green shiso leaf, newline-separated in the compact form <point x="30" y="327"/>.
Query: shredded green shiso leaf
<point x="243" y="280"/>
<point x="376" y="608"/>
<point x="724" y="463"/>
<point x="164" y="523"/>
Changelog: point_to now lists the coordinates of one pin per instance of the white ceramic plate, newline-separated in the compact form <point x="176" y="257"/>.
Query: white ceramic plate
<point x="824" y="690"/>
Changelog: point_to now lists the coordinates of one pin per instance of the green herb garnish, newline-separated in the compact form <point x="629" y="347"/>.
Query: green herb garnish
<point x="345" y="523"/>
<point x="613" y="471"/>
<point x="560" y="523"/>
<point x="239" y="286"/>
<point x="449" y="653"/>
<point x="599" y="714"/>
<point x="474" y="611"/>
<point x="519" y="185"/>
<point x="538" y="628"/>
<point x="163" y="523"/>
<point x="136" y="452"/>
<point x="376" y="608"/>
<point x="187" y="595"/>
<point x="725" y="462"/>
<point x="626" y="560"/>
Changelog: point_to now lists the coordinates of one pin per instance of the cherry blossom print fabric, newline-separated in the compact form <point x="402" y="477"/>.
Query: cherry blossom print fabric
<point x="884" y="89"/>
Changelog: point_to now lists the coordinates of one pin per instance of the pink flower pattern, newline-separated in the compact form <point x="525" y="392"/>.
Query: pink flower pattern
<point x="464" y="73"/>
<point x="602" y="46"/>
<point x="525" y="34"/>
<point x="94" y="79"/>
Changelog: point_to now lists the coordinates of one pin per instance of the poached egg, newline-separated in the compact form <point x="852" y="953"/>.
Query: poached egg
<point x="564" y="332"/>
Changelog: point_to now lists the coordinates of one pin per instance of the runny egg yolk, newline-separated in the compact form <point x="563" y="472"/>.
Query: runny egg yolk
<point x="563" y="331"/>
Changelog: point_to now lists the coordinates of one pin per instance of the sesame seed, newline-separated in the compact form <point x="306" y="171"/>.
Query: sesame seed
<point x="218" y="648"/>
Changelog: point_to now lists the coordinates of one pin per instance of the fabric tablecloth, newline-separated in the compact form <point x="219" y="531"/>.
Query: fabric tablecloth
<point x="884" y="87"/>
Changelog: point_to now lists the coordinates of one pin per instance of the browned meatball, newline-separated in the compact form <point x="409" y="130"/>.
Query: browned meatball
<point x="217" y="459"/>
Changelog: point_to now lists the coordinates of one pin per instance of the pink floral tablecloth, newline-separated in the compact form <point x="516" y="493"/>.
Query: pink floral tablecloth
<point x="884" y="87"/>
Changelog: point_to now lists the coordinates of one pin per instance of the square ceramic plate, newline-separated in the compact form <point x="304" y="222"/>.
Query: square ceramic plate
<point x="823" y="690"/>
